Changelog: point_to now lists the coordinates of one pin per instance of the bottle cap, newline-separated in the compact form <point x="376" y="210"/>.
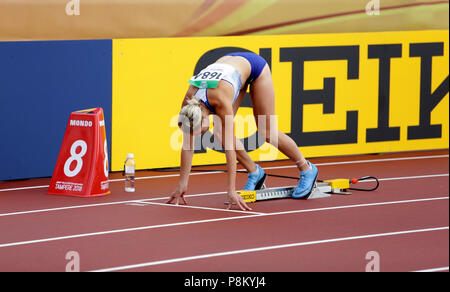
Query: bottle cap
<point x="130" y="156"/>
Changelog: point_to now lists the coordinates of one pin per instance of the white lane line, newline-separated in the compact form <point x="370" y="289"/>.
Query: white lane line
<point x="441" y="269"/>
<point x="266" y="248"/>
<point x="122" y="230"/>
<point x="24" y="188"/>
<point x="412" y="177"/>
<point x="68" y="208"/>
<point x="202" y="208"/>
<point x="212" y="220"/>
<point x="294" y="166"/>
<point x="356" y="206"/>
<point x="187" y="196"/>
<point x="101" y="204"/>
<point x="266" y="168"/>
<point x="366" y="161"/>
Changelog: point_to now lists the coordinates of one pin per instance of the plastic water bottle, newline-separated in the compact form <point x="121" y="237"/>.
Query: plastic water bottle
<point x="130" y="168"/>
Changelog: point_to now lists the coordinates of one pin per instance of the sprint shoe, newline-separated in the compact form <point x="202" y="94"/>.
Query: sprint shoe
<point x="256" y="180"/>
<point x="307" y="182"/>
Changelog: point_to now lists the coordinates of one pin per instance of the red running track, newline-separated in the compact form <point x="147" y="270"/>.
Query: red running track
<point x="405" y="222"/>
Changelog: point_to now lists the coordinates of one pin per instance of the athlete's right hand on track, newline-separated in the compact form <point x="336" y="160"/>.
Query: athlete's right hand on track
<point x="179" y="192"/>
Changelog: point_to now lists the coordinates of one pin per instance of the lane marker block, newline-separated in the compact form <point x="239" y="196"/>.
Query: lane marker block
<point x="82" y="167"/>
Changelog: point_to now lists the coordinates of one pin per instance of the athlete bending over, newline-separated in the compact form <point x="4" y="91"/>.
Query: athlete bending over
<point x="218" y="90"/>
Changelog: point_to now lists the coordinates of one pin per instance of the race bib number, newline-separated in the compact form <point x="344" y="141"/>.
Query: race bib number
<point x="207" y="78"/>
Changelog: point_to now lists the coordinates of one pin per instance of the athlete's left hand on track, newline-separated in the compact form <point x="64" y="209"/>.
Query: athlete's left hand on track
<point x="235" y="198"/>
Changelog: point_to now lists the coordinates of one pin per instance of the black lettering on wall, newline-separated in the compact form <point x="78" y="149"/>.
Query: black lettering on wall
<point x="428" y="100"/>
<point x="326" y="96"/>
<point x="384" y="53"/>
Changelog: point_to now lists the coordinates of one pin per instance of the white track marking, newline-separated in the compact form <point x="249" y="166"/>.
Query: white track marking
<point x="266" y="168"/>
<point x="357" y="206"/>
<point x="202" y="208"/>
<point x="211" y="220"/>
<point x="69" y="208"/>
<point x="414" y="177"/>
<point x="365" y="161"/>
<point x="442" y="269"/>
<point x="122" y="230"/>
<point x="266" y="248"/>
<point x="187" y="196"/>
<point x="102" y="204"/>
<point x="294" y="166"/>
<point x="24" y="188"/>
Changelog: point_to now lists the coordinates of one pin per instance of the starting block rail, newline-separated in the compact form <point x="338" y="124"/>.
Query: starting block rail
<point x="320" y="190"/>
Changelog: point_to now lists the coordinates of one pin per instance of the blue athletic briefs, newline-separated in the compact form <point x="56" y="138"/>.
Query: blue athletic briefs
<point x="256" y="61"/>
<point x="257" y="64"/>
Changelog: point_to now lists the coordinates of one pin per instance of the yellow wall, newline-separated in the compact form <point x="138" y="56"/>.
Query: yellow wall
<point x="150" y="79"/>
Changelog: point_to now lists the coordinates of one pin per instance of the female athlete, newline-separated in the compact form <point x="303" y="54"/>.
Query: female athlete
<point x="219" y="90"/>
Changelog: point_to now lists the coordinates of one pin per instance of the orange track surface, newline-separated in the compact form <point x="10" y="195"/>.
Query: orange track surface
<point x="405" y="221"/>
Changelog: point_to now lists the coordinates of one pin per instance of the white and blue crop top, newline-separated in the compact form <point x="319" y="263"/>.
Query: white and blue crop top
<point x="220" y="71"/>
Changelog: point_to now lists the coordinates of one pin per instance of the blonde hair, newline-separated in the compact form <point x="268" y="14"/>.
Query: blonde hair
<point x="190" y="117"/>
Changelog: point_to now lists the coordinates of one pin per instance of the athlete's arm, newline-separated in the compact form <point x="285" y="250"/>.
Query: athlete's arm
<point x="187" y="152"/>
<point x="224" y="110"/>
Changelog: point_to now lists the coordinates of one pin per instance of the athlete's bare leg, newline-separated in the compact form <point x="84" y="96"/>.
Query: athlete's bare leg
<point x="263" y="98"/>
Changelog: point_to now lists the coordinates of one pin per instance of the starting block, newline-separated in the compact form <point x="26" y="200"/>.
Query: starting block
<point x="320" y="190"/>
